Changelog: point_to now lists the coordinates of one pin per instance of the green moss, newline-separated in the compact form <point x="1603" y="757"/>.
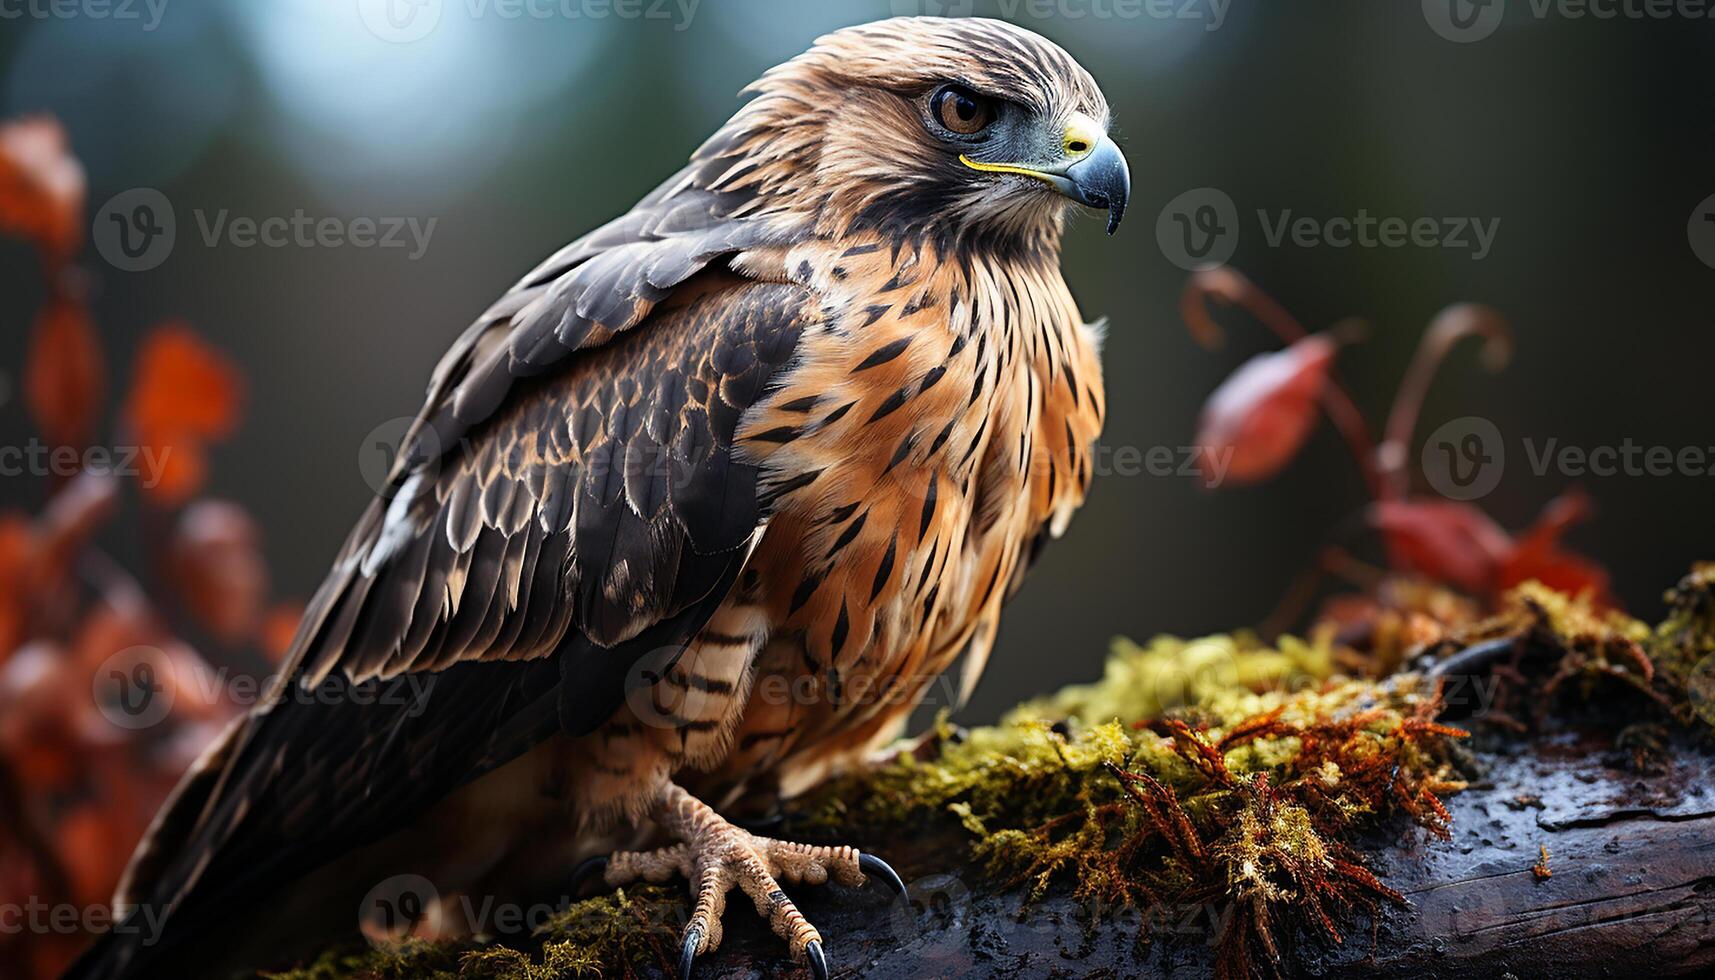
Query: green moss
<point x="1683" y="646"/>
<point x="1217" y="770"/>
<point x="609" y="937"/>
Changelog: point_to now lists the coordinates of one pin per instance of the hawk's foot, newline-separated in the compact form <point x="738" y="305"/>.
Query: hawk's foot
<point x="713" y="855"/>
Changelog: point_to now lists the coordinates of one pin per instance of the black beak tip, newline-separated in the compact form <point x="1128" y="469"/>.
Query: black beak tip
<point x="1102" y="180"/>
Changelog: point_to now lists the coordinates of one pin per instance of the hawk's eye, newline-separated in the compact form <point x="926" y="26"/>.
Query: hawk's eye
<point x="961" y="110"/>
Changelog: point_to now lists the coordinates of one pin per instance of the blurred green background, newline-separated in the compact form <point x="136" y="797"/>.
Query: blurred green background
<point x="1587" y="138"/>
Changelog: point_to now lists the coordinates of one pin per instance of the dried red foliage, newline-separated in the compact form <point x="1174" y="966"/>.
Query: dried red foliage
<point x="1277" y="847"/>
<point x="1537" y="554"/>
<point x="1444" y="540"/>
<point x="77" y="788"/>
<point x="65" y="376"/>
<point x="215" y="560"/>
<point x="1264" y="413"/>
<point x="1260" y="417"/>
<point x="279" y="625"/>
<point x="184" y="395"/>
<point x="41" y="188"/>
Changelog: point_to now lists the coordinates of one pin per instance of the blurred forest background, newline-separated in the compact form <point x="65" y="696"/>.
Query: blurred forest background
<point x="1587" y="139"/>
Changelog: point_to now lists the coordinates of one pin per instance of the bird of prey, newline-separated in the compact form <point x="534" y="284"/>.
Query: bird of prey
<point x="709" y="498"/>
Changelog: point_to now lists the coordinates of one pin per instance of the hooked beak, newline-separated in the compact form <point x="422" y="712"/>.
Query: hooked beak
<point x="1102" y="181"/>
<point x="1091" y="170"/>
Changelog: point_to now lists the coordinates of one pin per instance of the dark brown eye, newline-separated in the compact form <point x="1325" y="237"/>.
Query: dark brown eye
<point x="961" y="110"/>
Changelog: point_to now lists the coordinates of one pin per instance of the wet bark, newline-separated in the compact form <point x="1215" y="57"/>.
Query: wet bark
<point x="1632" y="892"/>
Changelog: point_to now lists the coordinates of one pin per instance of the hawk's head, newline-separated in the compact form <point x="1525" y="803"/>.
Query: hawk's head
<point x="955" y="128"/>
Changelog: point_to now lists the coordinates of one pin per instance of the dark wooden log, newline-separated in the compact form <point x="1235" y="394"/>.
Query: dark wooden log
<point x="1632" y="892"/>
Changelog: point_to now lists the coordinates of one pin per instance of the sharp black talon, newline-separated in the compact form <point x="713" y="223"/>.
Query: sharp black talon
<point x="874" y="867"/>
<point x="818" y="960"/>
<point x="688" y="952"/>
<point x="594" y="866"/>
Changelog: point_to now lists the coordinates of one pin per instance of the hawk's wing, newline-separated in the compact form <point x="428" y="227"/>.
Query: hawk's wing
<point x="566" y="504"/>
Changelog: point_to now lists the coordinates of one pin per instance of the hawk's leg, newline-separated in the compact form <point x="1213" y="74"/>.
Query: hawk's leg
<point x="713" y="855"/>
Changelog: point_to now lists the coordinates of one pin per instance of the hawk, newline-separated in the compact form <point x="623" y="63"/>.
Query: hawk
<point x="709" y="498"/>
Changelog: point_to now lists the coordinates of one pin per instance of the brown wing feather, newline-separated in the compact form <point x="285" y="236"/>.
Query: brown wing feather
<point x="596" y="515"/>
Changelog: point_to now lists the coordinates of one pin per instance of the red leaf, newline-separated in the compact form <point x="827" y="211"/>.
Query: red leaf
<point x="38" y="712"/>
<point x="182" y="385"/>
<point x="65" y="376"/>
<point x="1261" y="416"/>
<point x="1444" y="540"/>
<point x="41" y="187"/>
<point x="184" y="394"/>
<point x="17" y="546"/>
<point x="216" y="562"/>
<point x="278" y="628"/>
<point x="93" y="846"/>
<point x="1537" y="553"/>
